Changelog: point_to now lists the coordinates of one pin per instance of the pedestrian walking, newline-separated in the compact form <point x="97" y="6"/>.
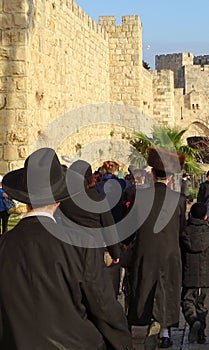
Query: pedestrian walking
<point x="86" y="218"/>
<point x="195" y="258"/>
<point x="4" y="215"/>
<point x="53" y="295"/>
<point x="113" y="188"/>
<point x="155" y="271"/>
<point x="185" y="187"/>
<point x="203" y="193"/>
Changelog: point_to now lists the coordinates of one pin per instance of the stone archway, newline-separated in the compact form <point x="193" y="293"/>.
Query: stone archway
<point x="199" y="139"/>
<point x="197" y="128"/>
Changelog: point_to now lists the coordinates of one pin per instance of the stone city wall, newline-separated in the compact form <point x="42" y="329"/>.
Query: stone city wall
<point x="201" y="60"/>
<point x="196" y="79"/>
<point x="173" y="62"/>
<point x="125" y="50"/>
<point x="54" y="59"/>
<point x="191" y="91"/>
<point x="69" y="83"/>
<point x="163" y="97"/>
<point x="147" y="92"/>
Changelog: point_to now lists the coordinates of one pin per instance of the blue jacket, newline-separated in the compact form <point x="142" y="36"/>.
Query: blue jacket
<point x="114" y="195"/>
<point x="2" y="206"/>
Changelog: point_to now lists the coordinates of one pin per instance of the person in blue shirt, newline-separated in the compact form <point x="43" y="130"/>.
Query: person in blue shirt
<point x="4" y="216"/>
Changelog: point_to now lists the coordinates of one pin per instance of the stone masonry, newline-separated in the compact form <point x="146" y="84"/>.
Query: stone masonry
<point x="79" y="86"/>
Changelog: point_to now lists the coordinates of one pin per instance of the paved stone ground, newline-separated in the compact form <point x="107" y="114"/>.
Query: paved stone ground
<point x="179" y="335"/>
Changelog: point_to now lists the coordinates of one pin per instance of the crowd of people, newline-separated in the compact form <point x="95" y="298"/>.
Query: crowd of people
<point x="88" y="236"/>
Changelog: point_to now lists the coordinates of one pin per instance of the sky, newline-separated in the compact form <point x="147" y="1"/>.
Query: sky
<point x="168" y="26"/>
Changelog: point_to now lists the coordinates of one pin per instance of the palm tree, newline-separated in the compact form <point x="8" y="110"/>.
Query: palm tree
<point x="165" y="137"/>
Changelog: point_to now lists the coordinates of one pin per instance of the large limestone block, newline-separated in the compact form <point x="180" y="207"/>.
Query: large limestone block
<point x="10" y="152"/>
<point x="16" y="6"/>
<point x="4" y="167"/>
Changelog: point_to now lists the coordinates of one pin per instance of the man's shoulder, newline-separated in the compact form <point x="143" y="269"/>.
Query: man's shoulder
<point x="204" y="186"/>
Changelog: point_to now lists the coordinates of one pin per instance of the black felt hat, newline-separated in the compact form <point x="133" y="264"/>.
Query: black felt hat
<point x="42" y="181"/>
<point x="165" y="161"/>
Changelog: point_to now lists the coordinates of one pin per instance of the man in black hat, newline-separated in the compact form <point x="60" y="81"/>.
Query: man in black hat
<point x="91" y="219"/>
<point x="156" y="263"/>
<point x="53" y="295"/>
<point x="203" y="193"/>
<point x="185" y="187"/>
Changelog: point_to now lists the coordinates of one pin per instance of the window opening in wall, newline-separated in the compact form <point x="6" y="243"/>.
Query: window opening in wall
<point x="197" y="106"/>
<point x="181" y="113"/>
<point x="192" y="105"/>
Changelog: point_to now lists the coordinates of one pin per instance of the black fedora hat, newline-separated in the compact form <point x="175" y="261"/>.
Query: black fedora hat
<point x="41" y="181"/>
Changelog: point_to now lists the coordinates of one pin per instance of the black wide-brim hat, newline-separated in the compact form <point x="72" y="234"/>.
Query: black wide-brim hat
<point x="165" y="161"/>
<point x="40" y="182"/>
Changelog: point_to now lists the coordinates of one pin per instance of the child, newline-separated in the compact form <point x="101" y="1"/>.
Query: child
<point x="195" y="260"/>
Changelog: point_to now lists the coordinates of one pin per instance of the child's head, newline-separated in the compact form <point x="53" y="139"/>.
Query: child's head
<point x="198" y="211"/>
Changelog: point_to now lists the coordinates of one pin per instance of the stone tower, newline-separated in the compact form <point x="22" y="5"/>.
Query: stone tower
<point x="80" y="87"/>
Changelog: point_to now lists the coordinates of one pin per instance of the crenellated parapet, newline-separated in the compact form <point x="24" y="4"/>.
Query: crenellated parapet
<point x="54" y="59"/>
<point x="125" y="52"/>
<point x="201" y="60"/>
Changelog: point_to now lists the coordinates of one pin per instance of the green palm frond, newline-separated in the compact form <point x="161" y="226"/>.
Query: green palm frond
<point x="141" y="143"/>
<point x="189" y="151"/>
<point x="191" y="166"/>
<point x="169" y="138"/>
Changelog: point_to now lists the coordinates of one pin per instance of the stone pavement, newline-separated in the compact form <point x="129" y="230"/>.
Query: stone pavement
<point x="179" y="336"/>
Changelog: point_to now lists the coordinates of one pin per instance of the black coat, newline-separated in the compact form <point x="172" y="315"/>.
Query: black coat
<point x="83" y="215"/>
<point x="203" y="193"/>
<point x="195" y="254"/>
<point x="156" y="263"/>
<point x="55" y="295"/>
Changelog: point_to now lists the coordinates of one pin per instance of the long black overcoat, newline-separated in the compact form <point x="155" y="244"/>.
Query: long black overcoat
<point x="90" y="218"/>
<point x="54" y="295"/>
<point x="86" y="214"/>
<point x="156" y="263"/>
